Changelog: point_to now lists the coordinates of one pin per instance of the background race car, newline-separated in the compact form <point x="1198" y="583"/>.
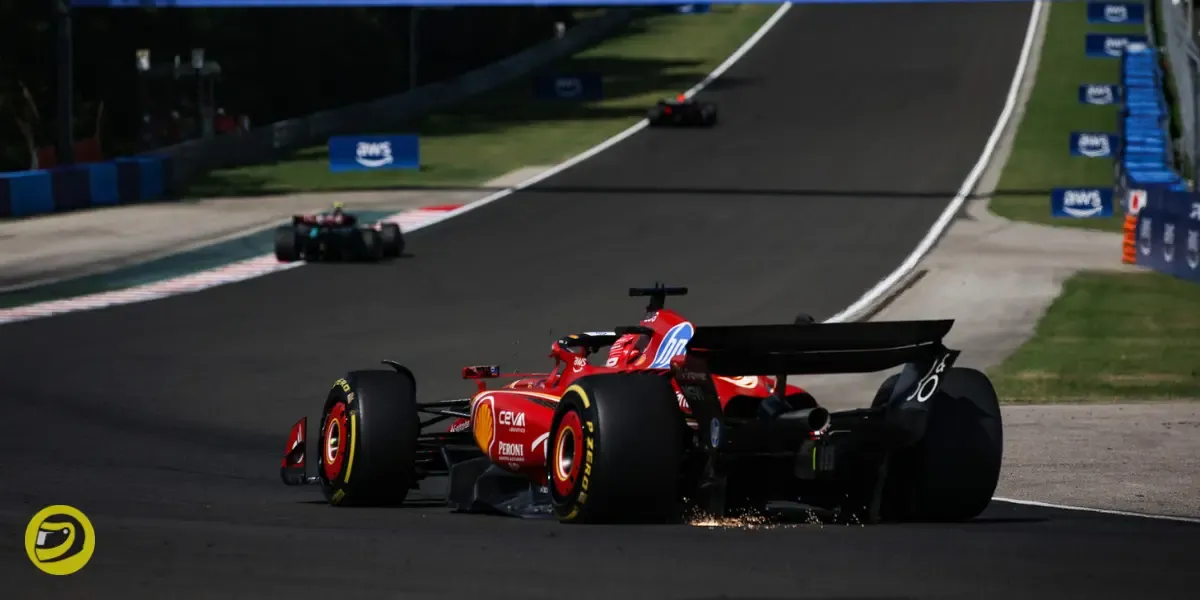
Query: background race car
<point x="683" y="112"/>
<point x="336" y="236"/>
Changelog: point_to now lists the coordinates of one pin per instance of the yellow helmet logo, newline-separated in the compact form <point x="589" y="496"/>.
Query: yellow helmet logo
<point x="60" y="540"/>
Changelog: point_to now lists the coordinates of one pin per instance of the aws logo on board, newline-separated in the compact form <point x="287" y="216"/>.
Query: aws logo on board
<point x="373" y="154"/>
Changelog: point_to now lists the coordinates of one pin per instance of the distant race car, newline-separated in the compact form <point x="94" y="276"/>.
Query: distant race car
<point x="683" y="111"/>
<point x="678" y="418"/>
<point x="336" y="235"/>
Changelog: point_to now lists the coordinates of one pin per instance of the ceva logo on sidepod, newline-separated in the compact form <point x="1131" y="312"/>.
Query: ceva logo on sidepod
<point x="373" y="154"/>
<point x="1094" y="145"/>
<point x="1099" y="94"/>
<point x="1082" y="203"/>
<point x="673" y="344"/>
<point x="1116" y="13"/>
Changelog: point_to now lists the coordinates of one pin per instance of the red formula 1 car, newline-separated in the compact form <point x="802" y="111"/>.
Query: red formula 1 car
<point x="682" y="112"/>
<point x="676" y="418"/>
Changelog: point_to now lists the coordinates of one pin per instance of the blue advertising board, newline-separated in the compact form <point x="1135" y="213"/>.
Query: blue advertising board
<point x="372" y="152"/>
<point x="1168" y="234"/>
<point x="1092" y="144"/>
<point x="1116" y="13"/>
<point x="569" y="86"/>
<point x="1099" y="93"/>
<point x="1081" y="203"/>
<point x="1109" y="45"/>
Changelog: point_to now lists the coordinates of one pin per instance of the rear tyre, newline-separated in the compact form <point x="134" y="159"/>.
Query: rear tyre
<point x="392" y="240"/>
<point x="368" y="439"/>
<point x="951" y="474"/>
<point x="709" y="117"/>
<point x="286" y="244"/>
<point x="372" y="245"/>
<point x="655" y="116"/>
<point x="615" y="449"/>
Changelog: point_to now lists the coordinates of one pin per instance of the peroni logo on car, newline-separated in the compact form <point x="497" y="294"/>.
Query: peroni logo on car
<point x="512" y="450"/>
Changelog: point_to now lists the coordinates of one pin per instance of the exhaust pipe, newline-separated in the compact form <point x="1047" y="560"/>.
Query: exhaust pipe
<point x="814" y="419"/>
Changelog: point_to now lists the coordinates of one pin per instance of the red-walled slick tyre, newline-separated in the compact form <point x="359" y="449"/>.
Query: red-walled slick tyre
<point x="615" y="450"/>
<point x="368" y="438"/>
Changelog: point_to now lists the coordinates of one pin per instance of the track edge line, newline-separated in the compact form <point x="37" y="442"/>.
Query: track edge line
<point x="1103" y="511"/>
<point x="720" y="69"/>
<point x="861" y="306"/>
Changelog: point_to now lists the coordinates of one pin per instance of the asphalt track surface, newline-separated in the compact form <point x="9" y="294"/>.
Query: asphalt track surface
<point x="164" y="421"/>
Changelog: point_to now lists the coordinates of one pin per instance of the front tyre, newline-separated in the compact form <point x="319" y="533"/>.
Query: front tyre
<point x="615" y="449"/>
<point x="368" y="439"/>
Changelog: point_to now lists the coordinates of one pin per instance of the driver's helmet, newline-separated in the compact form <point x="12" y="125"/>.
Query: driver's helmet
<point x="339" y="209"/>
<point x="626" y="350"/>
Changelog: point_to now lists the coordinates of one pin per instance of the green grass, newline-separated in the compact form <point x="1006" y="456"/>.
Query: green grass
<point x="1110" y="338"/>
<point x="488" y="136"/>
<point x="1040" y="159"/>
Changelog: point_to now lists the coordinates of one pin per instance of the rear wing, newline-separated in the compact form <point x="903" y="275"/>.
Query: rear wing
<point x="805" y="349"/>
<point x="815" y="348"/>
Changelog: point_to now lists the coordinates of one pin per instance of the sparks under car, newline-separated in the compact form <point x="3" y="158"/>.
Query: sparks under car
<point x="677" y="418"/>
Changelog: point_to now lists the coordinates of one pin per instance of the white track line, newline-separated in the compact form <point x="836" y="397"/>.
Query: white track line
<point x="260" y="266"/>
<point x="1103" y="511"/>
<point x="636" y="127"/>
<point x="939" y="227"/>
<point x="909" y="263"/>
